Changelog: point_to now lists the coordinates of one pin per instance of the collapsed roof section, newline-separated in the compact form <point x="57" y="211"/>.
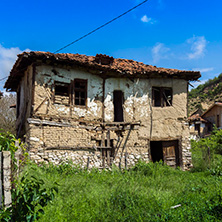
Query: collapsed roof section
<point x="100" y="65"/>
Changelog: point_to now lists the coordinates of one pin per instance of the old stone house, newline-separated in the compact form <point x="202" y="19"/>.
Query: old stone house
<point x="98" y="111"/>
<point x="199" y="127"/>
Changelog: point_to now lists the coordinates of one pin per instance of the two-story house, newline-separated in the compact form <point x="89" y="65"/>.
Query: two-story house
<point x="98" y="111"/>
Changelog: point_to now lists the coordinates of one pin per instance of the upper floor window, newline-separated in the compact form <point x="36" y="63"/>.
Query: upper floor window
<point x="61" y="95"/>
<point x="74" y="93"/>
<point x="80" y="92"/>
<point x="162" y="96"/>
<point x="118" y="100"/>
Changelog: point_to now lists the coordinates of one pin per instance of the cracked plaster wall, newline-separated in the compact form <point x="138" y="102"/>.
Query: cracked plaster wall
<point x="167" y="123"/>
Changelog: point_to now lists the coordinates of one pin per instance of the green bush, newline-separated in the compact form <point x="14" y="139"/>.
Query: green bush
<point x="207" y="154"/>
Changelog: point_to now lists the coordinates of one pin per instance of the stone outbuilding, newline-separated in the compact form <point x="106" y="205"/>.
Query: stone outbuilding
<point x="98" y="111"/>
<point x="199" y="127"/>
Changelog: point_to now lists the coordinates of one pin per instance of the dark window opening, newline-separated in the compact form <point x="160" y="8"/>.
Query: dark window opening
<point x="156" y="97"/>
<point x="197" y="128"/>
<point x="162" y="97"/>
<point x="80" y="92"/>
<point x="61" y="95"/>
<point x="167" y="96"/>
<point x="218" y="120"/>
<point x="118" y="105"/>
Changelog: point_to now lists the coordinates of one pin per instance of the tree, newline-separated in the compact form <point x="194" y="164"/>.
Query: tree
<point x="7" y="114"/>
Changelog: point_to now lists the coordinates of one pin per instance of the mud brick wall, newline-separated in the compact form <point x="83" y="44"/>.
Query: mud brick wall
<point x="53" y="144"/>
<point x="48" y="142"/>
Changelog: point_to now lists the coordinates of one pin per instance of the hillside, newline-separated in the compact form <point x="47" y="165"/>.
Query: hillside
<point x="205" y="94"/>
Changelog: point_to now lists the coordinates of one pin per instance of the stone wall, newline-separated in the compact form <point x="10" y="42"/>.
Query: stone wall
<point x="57" y="144"/>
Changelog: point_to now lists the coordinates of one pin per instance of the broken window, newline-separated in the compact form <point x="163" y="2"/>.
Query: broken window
<point x="118" y="105"/>
<point x="61" y="95"/>
<point x="162" y="96"/>
<point x="80" y="92"/>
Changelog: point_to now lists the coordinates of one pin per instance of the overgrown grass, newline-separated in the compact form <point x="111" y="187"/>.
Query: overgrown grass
<point x="144" y="193"/>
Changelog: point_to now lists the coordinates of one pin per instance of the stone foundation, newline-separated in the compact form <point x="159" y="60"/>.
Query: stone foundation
<point x="81" y="146"/>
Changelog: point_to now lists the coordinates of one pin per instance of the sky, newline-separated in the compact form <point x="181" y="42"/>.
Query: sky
<point x="184" y="34"/>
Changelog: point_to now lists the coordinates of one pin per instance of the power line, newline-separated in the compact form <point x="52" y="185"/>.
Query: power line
<point x="3" y="78"/>
<point x="89" y="33"/>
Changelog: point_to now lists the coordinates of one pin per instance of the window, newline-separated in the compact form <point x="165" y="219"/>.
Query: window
<point x="80" y="92"/>
<point x="162" y="96"/>
<point x="61" y="95"/>
<point x="71" y="93"/>
<point x="118" y="105"/>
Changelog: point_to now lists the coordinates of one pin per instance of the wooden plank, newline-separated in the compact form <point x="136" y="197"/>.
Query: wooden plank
<point x="17" y="156"/>
<point x="108" y="145"/>
<point x="126" y="156"/>
<point x="7" y="178"/>
<point x="88" y="163"/>
<point x="103" y="150"/>
<point x="169" y="153"/>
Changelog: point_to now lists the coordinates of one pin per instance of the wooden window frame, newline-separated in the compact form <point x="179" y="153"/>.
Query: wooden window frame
<point x="72" y="90"/>
<point x="54" y="94"/>
<point x="75" y="90"/>
<point x="163" y="100"/>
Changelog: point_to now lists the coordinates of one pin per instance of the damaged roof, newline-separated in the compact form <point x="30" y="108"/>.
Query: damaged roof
<point x="99" y="64"/>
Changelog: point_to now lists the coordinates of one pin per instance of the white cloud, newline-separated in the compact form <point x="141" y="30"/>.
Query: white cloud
<point x="203" y="69"/>
<point x="198" y="46"/>
<point x="159" y="51"/>
<point x="147" y="20"/>
<point x="7" y="59"/>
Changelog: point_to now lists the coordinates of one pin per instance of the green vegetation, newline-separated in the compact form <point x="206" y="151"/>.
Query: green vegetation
<point x="215" y="86"/>
<point x="146" y="192"/>
<point x="207" y="153"/>
<point x="208" y="92"/>
<point x="7" y="114"/>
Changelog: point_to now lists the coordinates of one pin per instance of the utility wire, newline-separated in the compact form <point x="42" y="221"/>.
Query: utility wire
<point x="107" y="23"/>
<point x="89" y="33"/>
<point x="3" y="78"/>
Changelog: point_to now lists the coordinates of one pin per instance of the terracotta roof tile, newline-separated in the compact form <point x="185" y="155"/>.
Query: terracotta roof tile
<point x="100" y="63"/>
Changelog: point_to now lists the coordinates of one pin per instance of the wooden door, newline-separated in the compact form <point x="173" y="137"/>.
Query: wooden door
<point x="171" y="153"/>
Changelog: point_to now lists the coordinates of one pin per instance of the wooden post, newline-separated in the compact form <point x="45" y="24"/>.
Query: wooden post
<point x="17" y="156"/>
<point x="108" y="145"/>
<point x="103" y="150"/>
<point x="120" y="163"/>
<point x="88" y="163"/>
<point x="126" y="155"/>
<point x="7" y="178"/>
<point x="1" y="205"/>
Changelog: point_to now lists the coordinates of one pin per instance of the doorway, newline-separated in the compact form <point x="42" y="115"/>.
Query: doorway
<point x="167" y="151"/>
<point x="118" y="105"/>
